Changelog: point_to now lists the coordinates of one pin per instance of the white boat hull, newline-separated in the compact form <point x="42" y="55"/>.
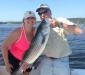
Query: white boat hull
<point x="3" y="71"/>
<point x="73" y="72"/>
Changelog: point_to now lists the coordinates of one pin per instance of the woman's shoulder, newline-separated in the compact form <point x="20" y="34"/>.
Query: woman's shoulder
<point x="17" y="30"/>
<point x="13" y="36"/>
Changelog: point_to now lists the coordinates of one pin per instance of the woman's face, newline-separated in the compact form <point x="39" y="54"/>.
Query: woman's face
<point x="30" y="21"/>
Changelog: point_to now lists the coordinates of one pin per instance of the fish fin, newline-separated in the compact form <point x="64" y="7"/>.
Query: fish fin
<point x="43" y="39"/>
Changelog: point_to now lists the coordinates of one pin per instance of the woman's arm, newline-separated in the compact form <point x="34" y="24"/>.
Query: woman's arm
<point x="12" y="37"/>
<point x="6" y="44"/>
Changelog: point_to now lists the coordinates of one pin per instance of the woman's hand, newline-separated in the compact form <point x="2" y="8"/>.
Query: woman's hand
<point x="9" y="67"/>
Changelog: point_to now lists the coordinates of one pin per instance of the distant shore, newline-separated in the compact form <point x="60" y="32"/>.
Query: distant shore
<point x="10" y="22"/>
<point x="75" y="20"/>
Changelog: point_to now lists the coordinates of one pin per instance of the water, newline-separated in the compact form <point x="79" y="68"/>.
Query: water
<point x="76" y="42"/>
<point x="5" y="29"/>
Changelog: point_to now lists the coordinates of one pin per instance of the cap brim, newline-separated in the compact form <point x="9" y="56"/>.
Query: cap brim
<point x="38" y="9"/>
<point x="29" y="16"/>
<point x="41" y="8"/>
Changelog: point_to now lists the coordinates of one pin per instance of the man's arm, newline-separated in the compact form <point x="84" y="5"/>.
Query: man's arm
<point x="72" y="28"/>
<point x="66" y="24"/>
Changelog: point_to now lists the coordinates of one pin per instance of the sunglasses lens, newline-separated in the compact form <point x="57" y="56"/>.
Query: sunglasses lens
<point x="39" y="13"/>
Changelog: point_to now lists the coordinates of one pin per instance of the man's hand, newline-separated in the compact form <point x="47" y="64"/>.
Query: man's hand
<point x="53" y="23"/>
<point x="25" y="66"/>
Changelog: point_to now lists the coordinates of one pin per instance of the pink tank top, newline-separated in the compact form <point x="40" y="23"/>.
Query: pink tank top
<point x="19" y="47"/>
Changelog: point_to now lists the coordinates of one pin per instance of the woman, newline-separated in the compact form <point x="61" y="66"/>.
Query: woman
<point x="18" y="42"/>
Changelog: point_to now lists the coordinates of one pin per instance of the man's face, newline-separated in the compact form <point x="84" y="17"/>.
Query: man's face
<point x="44" y="13"/>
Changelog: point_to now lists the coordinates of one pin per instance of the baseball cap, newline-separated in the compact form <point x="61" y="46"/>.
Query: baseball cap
<point x="42" y="6"/>
<point x="29" y="14"/>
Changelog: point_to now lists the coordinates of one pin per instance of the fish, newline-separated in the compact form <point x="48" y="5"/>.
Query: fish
<point x="65" y="21"/>
<point x="37" y="45"/>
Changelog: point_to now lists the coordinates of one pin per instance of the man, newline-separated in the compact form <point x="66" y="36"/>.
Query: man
<point x="54" y="59"/>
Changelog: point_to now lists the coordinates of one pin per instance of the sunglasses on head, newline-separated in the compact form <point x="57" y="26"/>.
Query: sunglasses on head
<point x="43" y="12"/>
<point x="30" y="18"/>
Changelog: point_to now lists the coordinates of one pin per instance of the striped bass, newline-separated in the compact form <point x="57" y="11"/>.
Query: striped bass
<point x="37" y="45"/>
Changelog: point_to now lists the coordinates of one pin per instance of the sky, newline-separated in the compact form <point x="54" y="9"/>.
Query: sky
<point x="13" y="10"/>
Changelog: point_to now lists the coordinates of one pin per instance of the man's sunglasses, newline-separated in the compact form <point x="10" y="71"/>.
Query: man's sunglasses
<point x="43" y="12"/>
